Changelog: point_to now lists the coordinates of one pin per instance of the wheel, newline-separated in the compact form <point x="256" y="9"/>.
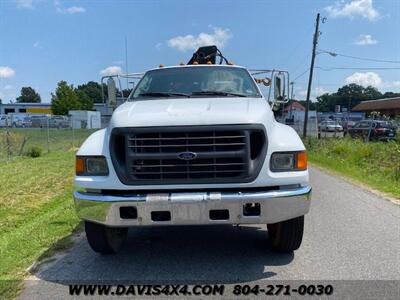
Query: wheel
<point x="103" y="239"/>
<point x="287" y="235"/>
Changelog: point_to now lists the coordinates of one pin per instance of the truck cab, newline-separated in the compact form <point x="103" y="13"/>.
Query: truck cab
<point x="193" y="144"/>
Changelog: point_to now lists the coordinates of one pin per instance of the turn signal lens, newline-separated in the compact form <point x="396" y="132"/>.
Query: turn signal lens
<point x="80" y="166"/>
<point x="301" y="161"/>
<point x="91" y="166"/>
<point x="288" y="161"/>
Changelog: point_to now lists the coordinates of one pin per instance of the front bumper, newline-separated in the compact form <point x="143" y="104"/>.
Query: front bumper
<point x="195" y="208"/>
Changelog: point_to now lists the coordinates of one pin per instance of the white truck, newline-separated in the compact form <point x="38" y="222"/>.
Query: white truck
<point x="194" y="144"/>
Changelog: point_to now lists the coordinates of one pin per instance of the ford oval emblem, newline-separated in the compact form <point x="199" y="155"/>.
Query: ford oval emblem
<point x="187" y="155"/>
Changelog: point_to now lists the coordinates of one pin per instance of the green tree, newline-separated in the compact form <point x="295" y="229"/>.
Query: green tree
<point x="92" y="90"/>
<point x="86" y="103"/>
<point x="64" y="99"/>
<point x="29" y="95"/>
<point x="371" y="93"/>
<point x="125" y="93"/>
<point x="348" y="96"/>
<point x="390" y="95"/>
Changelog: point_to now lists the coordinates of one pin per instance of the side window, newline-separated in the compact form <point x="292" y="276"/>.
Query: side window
<point x="144" y="87"/>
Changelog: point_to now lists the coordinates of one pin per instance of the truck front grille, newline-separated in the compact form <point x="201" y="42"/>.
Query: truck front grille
<point x="189" y="154"/>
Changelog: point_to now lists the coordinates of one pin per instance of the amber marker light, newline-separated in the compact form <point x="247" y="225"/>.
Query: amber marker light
<point x="301" y="161"/>
<point x="80" y="166"/>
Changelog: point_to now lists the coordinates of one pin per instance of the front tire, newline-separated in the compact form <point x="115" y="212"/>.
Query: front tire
<point x="103" y="239"/>
<point x="287" y="235"/>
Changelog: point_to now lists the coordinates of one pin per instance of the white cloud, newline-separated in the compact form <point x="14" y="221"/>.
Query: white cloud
<point x="112" y="70"/>
<point x="317" y="91"/>
<point x="362" y="8"/>
<point x="365" y="79"/>
<point x="159" y="46"/>
<point x="68" y="10"/>
<point x="365" y="39"/>
<point x="218" y="37"/>
<point x="24" y="4"/>
<point x="6" y="72"/>
<point x="8" y="87"/>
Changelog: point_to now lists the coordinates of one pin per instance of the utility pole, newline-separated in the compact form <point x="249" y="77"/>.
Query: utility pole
<point x="291" y="94"/>
<point x="315" y="42"/>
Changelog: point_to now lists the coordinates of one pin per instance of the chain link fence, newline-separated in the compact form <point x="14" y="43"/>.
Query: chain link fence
<point x="37" y="135"/>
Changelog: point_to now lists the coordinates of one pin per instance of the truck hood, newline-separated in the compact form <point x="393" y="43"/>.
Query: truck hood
<point x="191" y="111"/>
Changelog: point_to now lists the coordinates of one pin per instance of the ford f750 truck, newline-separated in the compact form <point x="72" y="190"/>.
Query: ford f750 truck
<point x="195" y="144"/>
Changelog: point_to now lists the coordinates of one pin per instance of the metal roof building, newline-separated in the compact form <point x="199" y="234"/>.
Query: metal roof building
<point x="30" y="108"/>
<point x="388" y="106"/>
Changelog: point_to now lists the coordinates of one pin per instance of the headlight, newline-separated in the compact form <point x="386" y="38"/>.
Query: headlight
<point x="288" y="161"/>
<point x="91" y="166"/>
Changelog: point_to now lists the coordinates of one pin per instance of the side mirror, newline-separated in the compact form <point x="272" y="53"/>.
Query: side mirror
<point x="112" y="92"/>
<point x="279" y="87"/>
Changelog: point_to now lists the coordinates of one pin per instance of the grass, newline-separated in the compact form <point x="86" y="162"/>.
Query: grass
<point x="36" y="213"/>
<point x="375" y="164"/>
<point x="36" y="208"/>
<point x="53" y="140"/>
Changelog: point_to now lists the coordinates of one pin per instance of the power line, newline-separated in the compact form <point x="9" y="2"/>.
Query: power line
<point x="301" y="74"/>
<point x="357" y="68"/>
<point x="359" y="58"/>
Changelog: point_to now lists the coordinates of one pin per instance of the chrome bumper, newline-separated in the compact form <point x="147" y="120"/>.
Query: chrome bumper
<point x="193" y="208"/>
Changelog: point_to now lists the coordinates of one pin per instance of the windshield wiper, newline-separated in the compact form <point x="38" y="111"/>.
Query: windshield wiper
<point x="162" y="94"/>
<point x="217" y="93"/>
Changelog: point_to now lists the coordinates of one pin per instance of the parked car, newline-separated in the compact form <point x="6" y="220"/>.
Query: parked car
<point x="373" y="130"/>
<point x="59" y="122"/>
<point x="39" y="121"/>
<point x="26" y="122"/>
<point x="16" y="122"/>
<point x="347" y="125"/>
<point x="4" y="120"/>
<point x="330" y="126"/>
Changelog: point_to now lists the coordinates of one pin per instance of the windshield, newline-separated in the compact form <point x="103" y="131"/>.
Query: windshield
<point x="201" y="81"/>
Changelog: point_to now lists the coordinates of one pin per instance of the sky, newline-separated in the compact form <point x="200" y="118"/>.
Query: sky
<point x="45" y="41"/>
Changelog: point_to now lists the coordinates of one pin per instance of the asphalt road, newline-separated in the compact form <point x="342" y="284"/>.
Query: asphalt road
<point x="350" y="234"/>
